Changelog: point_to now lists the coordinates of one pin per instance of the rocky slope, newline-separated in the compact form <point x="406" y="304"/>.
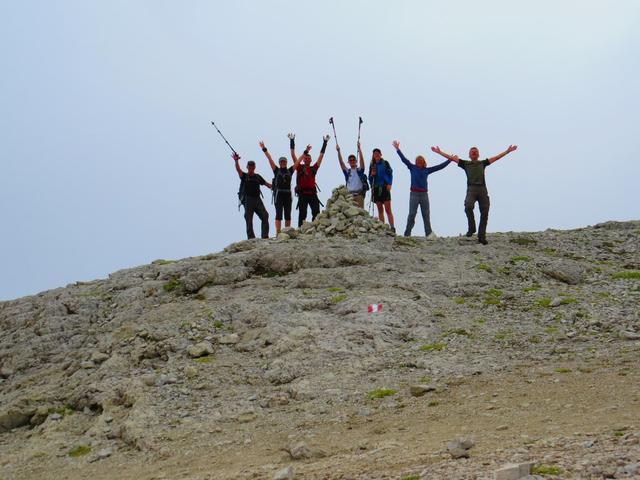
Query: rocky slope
<point x="245" y="362"/>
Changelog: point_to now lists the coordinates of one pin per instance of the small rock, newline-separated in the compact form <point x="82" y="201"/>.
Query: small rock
<point x="420" y="390"/>
<point x="285" y="474"/>
<point x="99" y="357"/>
<point x="459" y="448"/>
<point x="87" y="364"/>
<point x="104" y="453"/>
<point x="502" y="427"/>
<point x="556" y="302"/>
<point x="149" y="380"/>
<point x="230" y="339"/>
<point x="627" y="335"/>
<point x="190" y="371"/>
<point x="201" y="349"/>
<point x="55" y="416"/>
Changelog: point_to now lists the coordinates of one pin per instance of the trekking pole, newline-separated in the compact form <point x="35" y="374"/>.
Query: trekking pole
<point x="360" y="122"/>
<point x="214" y="125"/>
<point x="334" y="129"/>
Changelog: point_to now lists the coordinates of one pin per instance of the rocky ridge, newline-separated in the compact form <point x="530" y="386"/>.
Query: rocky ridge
<point x="243" y="363"/>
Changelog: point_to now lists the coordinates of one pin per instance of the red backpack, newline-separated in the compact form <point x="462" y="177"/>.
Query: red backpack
<point x="306" y="180"/>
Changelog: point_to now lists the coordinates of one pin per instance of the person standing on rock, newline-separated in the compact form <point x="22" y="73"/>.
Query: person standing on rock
<point x="419" y="195"/>
<point x="476" y="187"/>
<point x="306" y="187"/>
<point x="355" y="178"/>
<point x="249" y="196"/>
<point x="281" y="188"/>
<point x="381" y="179"/>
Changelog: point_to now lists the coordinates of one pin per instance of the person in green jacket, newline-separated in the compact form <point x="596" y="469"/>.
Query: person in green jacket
<point x="476" y="187"/>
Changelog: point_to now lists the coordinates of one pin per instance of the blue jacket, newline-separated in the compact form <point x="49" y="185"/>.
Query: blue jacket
<point x="384" y="173"/>
<point x="419" y="175"/>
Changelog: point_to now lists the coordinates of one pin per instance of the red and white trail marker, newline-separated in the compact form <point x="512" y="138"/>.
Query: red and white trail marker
<point x="376" y="307"/>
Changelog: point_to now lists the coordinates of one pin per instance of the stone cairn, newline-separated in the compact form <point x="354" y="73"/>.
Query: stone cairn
<point x="341" y="217"/>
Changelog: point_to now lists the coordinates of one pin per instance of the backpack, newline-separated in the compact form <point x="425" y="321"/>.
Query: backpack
<point x="305" y="182"/>
<point x="386" y="164"/>
<point x="241" y="193"/>
<point x="363" y="179"/>
<point x="281" y="179"/>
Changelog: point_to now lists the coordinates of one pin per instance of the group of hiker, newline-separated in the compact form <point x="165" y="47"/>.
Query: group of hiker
<point x="379" y="180"/>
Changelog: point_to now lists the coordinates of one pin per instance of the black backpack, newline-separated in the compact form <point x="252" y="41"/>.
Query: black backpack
<point x="281" y="179"/>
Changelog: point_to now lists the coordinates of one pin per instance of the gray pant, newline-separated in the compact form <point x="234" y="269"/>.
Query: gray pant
<point x="254" y="205"/>
<point x="477" y="193"/>
<point x="421" y="199"/>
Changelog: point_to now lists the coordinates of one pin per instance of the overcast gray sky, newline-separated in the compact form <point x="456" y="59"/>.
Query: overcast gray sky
<point x="109" y="160"/>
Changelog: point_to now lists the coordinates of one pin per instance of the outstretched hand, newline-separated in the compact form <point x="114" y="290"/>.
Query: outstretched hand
<point x="337" y="147"/>
<point x="396" y="144"/>
<point x="326" y="138"/>
<point x="512" y="148"/>
<point x="358" y="145"/>
<point x="455" y="158"/>
<point x="262" y="145"/>
<point x="235" y="156"/>
<point x="291" y="136"/>
<point x="436" y="149"/>
<point x="308" y="149"/>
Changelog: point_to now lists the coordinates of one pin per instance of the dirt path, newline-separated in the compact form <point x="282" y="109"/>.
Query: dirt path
<point x="508" y="411"/>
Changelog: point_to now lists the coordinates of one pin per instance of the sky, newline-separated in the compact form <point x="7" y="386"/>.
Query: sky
<point x="109" y="160"/>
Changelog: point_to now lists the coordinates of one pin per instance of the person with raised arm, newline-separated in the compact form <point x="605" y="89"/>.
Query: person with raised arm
<point x="354" y="176"/>
<point x="249" y="195"/>
<point x="306" y="187"/>
<point x="281" y="188"/>
<point x="419" y="195"/>
<point x="381" y="179"/>
<point x="476" y="187"/>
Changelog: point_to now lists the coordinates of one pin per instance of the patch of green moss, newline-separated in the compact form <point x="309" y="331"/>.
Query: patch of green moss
<point x="206" y="359"/>
<point x="439" y="313"/>
<point x="562" y="370"/>
<point x="627" y="275"/>
<point x="380" y="393"/>
<point x="338" y="298"/>
<point x="425" y="379"/>
<point x="458" y="331"/>
<point x="545" y="470"/>
<point x="172" y="286"/>
<point x="535" y="339"/>
<point x="551" y="330"/>
<point x="568" y="300"/>
<point x="549" y="250"/>
<point x="494" y="292"/>
<point x="485" y="267"/>
<point x="335" y="289"/>
<point x="492" y="301"/>
<point x="272" y="274"/>
<point x="459" y="300"/>
<point x="433" y="403"/>
<point x="543" y="302"/>
<point x="519" y="258"/>
<point x="218" y="324"/>
<point x="532" y="288"/>
<point x="525" y="241"/>
<point x="162" y="261"/>
<point x="433" y="347"/>
<point x="411" y="477"/>
<point x="79" y="451"/>
<point x="604" y="294"/>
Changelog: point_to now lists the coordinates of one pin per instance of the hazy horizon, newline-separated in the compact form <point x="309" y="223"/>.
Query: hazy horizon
<point x="110" y="160"/>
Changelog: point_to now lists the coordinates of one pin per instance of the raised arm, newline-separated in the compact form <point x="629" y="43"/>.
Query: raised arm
<point x="360" y="157"/>
<point x="396" y="145"/>
<point x="325" y="140"/>
<point x="430" y="170"/>
<point x="236" y="158"/>
<point x="453" y="158"/>
<point x="268" y="155"/>
<point x="343" y="167"/>
<point x="292" y="148"/>
<point x="510" y="149"/>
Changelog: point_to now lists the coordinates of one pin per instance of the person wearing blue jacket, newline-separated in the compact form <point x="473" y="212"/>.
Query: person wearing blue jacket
<point x="381" y="179"/>
<point x="419" y="195"/>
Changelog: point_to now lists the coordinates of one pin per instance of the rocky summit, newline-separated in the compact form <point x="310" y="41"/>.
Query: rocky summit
<point x="514" y="360"/>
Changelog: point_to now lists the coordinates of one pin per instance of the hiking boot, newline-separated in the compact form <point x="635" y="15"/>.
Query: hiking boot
<point x="483" y="241"/>
<point x="469" y="233"/>
<point x="393" y="229"/>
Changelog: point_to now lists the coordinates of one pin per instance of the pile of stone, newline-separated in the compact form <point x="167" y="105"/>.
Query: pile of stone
<point x="342" y="217"/>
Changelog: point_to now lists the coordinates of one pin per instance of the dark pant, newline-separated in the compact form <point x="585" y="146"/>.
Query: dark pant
<point x="254" y="205"/>
<point x="418" y="199"/>
<point x="477" y="193"/>
<point x="283" y="202"/>
<point x="305" y="201"/>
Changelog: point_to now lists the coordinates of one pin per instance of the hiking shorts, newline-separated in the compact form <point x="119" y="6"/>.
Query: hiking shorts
<point x="283" y="205"/>
<point x="380" y="194"/>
